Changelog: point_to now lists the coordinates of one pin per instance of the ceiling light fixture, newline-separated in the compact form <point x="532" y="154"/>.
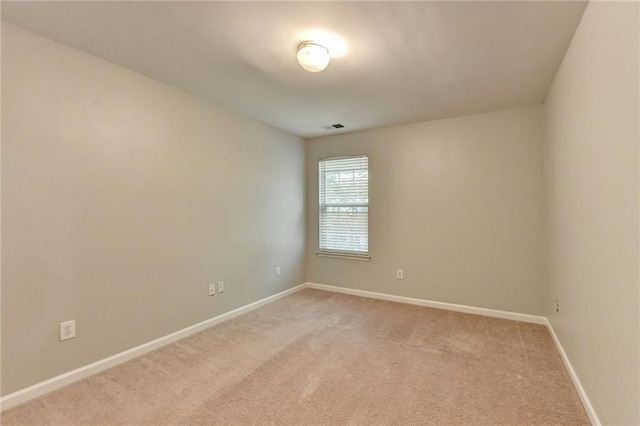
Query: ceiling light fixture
<point x="313" y="56"/>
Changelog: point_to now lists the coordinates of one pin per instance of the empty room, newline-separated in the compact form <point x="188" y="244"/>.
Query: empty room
<point x="320" y="213"/>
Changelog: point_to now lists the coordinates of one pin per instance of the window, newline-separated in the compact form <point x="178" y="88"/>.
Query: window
<point x="344" y="207"/>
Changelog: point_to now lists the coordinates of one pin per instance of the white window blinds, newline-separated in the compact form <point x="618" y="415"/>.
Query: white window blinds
<point x="344" y="205"/>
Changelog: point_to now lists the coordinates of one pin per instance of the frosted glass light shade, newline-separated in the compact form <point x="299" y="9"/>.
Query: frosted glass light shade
<point x="313" y="57"/>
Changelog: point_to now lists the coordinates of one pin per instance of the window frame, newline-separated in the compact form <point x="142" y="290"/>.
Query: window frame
<point x="342" y="254"/>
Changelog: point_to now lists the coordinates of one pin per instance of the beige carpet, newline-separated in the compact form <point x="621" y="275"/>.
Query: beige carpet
<point x="317" y="358"/>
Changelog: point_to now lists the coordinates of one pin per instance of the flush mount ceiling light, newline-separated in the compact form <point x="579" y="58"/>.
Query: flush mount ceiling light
<point x="313" y="56"/>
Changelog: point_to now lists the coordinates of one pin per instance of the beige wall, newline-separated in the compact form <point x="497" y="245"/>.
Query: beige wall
<point x="122" y="199"/>
<point x="456" y="203"/>
<point x="591" y="191"/>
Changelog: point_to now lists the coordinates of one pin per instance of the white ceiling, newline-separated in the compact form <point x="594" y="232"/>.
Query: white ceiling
<point x="405" y="61"/>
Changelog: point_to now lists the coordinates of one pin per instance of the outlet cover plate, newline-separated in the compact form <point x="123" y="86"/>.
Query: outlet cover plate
<point x="220" y="286"/>
<point x="212" y="289"/>
<point x="67" y="330"/>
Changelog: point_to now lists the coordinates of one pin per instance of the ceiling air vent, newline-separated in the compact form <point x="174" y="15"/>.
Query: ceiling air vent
<point x="333" y="126"/>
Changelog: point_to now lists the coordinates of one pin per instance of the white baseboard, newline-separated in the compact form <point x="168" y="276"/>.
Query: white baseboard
<point x="431" y="304"/>
<point x="57" y="382"/>
<point x="72" y="376"/>
<point x="574" y="377"/>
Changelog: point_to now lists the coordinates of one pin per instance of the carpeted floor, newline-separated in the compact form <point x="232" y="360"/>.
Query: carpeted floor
<point x="320" y="358"/>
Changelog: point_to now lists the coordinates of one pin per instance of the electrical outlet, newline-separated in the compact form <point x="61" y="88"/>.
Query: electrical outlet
<point x="212" y="289"/>
<point x="278" y="271"/>
<point x="67" y="330"/>
<point x="557" y="305"/>
<point x="220" y="286"/>
<point x="399" y="274"/>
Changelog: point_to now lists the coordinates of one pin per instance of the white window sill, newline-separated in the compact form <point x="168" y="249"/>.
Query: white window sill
<point x="363" y="257"/>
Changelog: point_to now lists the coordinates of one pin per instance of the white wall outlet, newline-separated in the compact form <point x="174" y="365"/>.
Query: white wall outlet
<point x="399" y="274"/>
<point x="278" y="271"/>
<point x="557" y="305"/>
<point x="67" y="330"/>
<point x="220" y="286"/>
<point x="212" y="289"/>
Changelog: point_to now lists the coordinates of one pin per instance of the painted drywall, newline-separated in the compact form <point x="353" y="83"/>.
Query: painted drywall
<point x="122" y="200"/>
<point x="455" y="203"/>
<point x="591" y="133"/>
